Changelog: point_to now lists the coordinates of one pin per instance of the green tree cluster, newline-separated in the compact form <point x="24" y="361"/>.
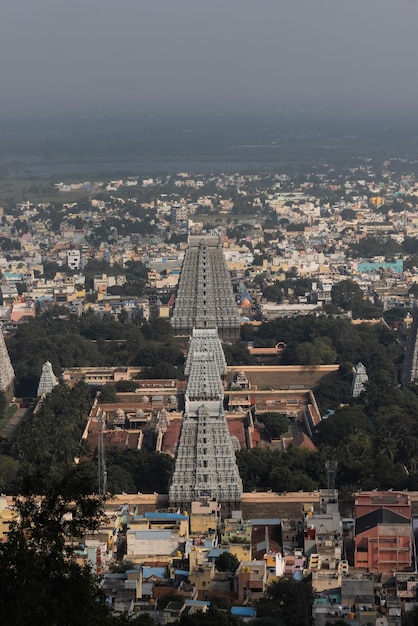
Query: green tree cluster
<point x="41" y="580"/>
<point x="287" y="602"/>
<point x="275" y="424"/>
<point x="133" y="471"/>
<point x="263" y="468"/>
<point x="371" y="246"/>
<point x="289" y="288"/>
<point x="348" y="296"/>
<point x="373" y="437"/>
<point x="377" y="347"/>
<point x="47" y="441"/>
<point x="315" y="352"/>
<point x="226" y="562"/>
<point x="71" y="341"/>
<point x="237" y="354"/>
<point x="376" y="447"/>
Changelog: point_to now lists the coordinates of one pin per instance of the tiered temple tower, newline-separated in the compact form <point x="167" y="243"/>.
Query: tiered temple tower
<point x="205" y="465"/>
<point x="48" y="379"/>
<point x="409" y="370"/>
<point x="205" y="298"/>
<point x="360" y="380"/>
<point x="7" y="375"/>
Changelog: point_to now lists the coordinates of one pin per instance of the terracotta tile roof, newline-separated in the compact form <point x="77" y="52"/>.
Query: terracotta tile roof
<point x="160" y="592"/>
<point x="121" y="439"/>
<point x="236" y="429"/>
<point x="171" y="437"/>
<point x="256" y="436"/>
<point x="300" y="440"/>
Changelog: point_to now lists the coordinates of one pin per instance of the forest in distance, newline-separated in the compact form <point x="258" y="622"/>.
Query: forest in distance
<point x="297" y="138"/>
<point x="373" y="437"/>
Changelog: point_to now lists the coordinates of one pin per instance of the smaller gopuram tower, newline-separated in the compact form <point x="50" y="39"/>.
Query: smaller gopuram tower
<point x="409" y="370"/>
<point x="48" y="380"/>
<point x="7" y="374"/>
<point x="360" y="379"/>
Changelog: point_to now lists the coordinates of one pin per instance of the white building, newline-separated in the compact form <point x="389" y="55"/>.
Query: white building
<point x="73" y="259"/>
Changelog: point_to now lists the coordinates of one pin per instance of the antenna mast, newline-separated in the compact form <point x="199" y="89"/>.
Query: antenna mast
<point x="331" y="469"/>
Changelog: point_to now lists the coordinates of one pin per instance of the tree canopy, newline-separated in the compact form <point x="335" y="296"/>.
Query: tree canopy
<point x="67" y="340"/>
<point x="275" y="424"/>
<point x="288" y="602"/>
<point x="40" y="577"/>
<point x="372" y="437"/>
<point x="226" y="562"/>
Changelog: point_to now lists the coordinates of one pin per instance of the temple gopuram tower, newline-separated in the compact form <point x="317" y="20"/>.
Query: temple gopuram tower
<point x="360" y="379"/>
<point x="47" y="381"/>
<point x="7" y="375"/>
<point x="409" y="370"/>
<point x="205" y="298"/>
<point x="205" y="465"/>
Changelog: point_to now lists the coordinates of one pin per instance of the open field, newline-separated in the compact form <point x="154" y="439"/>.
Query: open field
<point x="14" y="190"/>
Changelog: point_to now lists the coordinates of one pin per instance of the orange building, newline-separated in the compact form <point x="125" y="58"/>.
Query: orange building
<point x="383" y="540"/>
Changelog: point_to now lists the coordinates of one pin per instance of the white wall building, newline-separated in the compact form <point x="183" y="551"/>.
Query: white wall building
<point x="73" y="259"/>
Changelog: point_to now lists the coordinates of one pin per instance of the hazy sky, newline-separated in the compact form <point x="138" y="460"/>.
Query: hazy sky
<point x="99" y="54"/>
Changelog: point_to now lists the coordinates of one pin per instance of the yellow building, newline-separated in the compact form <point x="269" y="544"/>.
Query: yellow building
<point x="237" y="539"/>
<point x="204" y="517"/>
<point x="7" y="516"/>
<point x="201" y="571"/>
<point x="376" y="201"/>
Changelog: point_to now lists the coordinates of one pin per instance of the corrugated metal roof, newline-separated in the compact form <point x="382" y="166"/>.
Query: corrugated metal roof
<point x="158" y="572"/>
<point x="146" y="535"/>
<point x="197" y="602"/>
<point x="215" y="552"/>
<point x="165" y="516"/>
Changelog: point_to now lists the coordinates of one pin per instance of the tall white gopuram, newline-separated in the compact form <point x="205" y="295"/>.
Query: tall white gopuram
<point x="205" y="298"/>
<point x="205" y="465"/>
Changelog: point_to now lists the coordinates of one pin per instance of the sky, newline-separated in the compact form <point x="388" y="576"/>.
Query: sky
<point x="196" y="55"/>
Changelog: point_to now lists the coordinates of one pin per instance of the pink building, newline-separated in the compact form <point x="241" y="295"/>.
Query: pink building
<point x="383" y="531"/>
